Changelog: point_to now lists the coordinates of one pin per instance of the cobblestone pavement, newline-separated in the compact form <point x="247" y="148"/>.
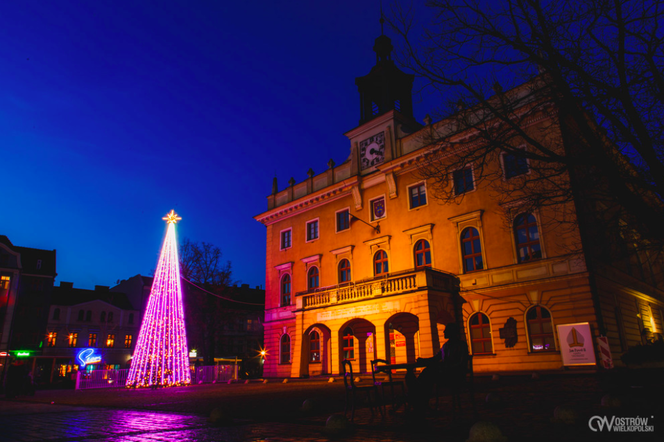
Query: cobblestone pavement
<point x="271" y="413"/>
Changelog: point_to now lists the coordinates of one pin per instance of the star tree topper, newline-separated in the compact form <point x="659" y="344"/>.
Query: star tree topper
<point x="172" y="218"/>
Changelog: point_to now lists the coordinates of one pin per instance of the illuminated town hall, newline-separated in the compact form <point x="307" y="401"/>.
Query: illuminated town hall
<point x="364" y="263"/>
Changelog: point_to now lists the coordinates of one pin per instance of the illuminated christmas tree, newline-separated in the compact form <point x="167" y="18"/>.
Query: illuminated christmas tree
<point x="161" y="357"/>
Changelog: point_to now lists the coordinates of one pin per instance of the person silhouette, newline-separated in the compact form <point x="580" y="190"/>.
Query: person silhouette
<point x="443" y="368"/>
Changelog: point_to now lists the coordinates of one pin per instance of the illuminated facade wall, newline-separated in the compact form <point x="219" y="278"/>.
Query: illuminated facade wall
<point x="517" y="277"/>
<point x="79" y="319"/>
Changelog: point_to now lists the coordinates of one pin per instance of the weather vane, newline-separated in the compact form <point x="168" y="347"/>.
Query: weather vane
<point x="172" y="218"/>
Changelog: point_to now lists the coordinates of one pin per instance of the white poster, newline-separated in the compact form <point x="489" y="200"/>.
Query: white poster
<point x="576" y="344"/>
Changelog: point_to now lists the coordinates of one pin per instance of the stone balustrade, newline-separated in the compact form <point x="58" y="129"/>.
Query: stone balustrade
<point x="382" y="286"/>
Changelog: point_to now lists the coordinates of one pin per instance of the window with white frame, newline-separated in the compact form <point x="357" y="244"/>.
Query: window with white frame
<point x="312" y="230"/>
<point x="417" y="195"/>
<point x="343" y="220"/>
<point x="463" y="180"/>
<point x="286" y="239"/>
<point x="312" y="278"/>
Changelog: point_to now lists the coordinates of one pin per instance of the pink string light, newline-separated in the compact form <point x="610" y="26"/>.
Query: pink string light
<point x="161" y="357"/>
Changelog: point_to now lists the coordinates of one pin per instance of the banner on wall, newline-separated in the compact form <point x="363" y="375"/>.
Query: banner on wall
<point x="576" y="344"/>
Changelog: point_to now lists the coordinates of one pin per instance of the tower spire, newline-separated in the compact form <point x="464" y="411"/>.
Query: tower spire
<point x="386" y="87"/>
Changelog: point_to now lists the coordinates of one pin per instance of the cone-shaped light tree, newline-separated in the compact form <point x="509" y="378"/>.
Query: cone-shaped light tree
<point x="161" y="357"/>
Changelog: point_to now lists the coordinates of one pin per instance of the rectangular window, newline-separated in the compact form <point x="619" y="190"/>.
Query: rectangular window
<point x="128" y="341"/>
<point x="463" y="180"/>
<point x="343" y="220"/>
<point x="35" y="284"/>
<point x="92" y="340"/>
<point x="52" y="338"/>
<point x="418" y="196"/>
<point x="110" y="341"/>
<point x="349" y="349"/>
<point x="312" y="230"/>
<point x="378" y="209"/>
<point x="515" y="165"/>
<point x="73" y="339"/>
<point x="286" y="239"/>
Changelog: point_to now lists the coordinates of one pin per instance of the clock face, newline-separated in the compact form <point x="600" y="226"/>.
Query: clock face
<point x="372" y="150"/>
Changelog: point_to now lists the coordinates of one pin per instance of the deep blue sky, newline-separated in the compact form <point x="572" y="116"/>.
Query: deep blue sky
<point x="114" y="113"/>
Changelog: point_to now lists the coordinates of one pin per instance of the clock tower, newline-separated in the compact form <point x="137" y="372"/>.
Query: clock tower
<point x="386" y="111"/>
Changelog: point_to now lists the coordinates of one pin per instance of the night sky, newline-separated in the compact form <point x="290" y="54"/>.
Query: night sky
<point x="114" y="113"/>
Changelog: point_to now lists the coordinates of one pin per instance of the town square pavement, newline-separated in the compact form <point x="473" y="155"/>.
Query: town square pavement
<point x="521" y="407"/>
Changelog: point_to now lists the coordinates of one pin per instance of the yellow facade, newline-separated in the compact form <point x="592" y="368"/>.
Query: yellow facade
<point x="400" y="314"/>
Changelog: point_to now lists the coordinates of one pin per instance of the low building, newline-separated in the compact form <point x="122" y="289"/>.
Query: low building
<point x="26" y="283"/>
<point x="80" y="319"/>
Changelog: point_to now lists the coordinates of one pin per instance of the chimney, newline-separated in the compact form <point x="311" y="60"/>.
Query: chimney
<point x="66" y="285"/>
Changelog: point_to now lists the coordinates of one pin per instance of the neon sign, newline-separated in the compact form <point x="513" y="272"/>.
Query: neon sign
<point x="88" y="356"/>
<point x="22" y="354"/>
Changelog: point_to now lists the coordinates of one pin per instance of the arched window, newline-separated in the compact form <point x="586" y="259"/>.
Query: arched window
<point x="102" y="318"/>
<point x="81" y="313"/>
<point x="344" y="271"/>
<point x="88" y="316"/>
<point x="314" y="346"/>
<point x="285" y="290"/>
<point x="131" y="318"/>
<point x="312" y="278"/>
<point x="349" y="344"/>
<point x="471" y="250"/>
<point x="285" y="349"/>
<point x="422" y="254"/>
<point x="527" y="237"/>
<point x="110" y="317"/>
<point x="380" y="263"/>
<point x="480" y="334"/>
<point x="56" y="313"/>
<point x="540" y="329"/>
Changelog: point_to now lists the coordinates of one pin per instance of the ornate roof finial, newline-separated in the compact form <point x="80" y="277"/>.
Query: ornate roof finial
<point x="383" y="45"/>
